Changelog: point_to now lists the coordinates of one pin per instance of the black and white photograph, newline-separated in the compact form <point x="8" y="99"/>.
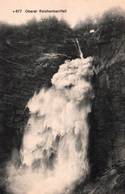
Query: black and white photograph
<point x="62" y="97"/>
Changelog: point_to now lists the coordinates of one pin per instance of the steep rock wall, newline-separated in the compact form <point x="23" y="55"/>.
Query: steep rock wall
<point x="107" y="118"/>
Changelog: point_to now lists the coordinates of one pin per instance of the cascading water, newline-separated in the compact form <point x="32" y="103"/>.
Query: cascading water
<point x="80" y="52"/>
<point x="54" y="148"/>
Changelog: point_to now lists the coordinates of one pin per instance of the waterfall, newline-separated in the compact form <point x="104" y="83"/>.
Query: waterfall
<point x="80" y="52"/>
<point x="54" y="148"/>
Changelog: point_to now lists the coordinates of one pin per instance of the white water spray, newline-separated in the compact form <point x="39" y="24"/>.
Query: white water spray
<point x="54" y="149"/>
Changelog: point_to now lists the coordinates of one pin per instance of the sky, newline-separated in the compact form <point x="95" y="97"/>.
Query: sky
<point x="76" y="10"/>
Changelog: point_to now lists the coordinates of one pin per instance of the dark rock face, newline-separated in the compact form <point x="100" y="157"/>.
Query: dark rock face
<point x="108" y="124"/>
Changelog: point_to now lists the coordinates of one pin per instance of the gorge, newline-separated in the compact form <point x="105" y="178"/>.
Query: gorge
<point x="29" y="57"/>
